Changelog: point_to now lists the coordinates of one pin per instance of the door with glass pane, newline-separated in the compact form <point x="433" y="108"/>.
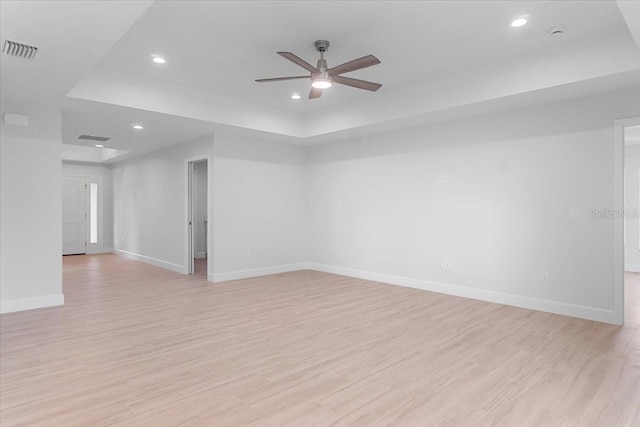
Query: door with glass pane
<point x="81" y="214"/>
<point x="74" y="221"/>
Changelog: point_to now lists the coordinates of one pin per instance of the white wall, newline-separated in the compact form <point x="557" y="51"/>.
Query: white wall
<point x="200" y="202"/>
<point x="149" y="204"/>
<point x="259" y="206"/>
<point x="76" y="169"/>
<point x="377" y="209"/>
<point x="373" y="206"/>
<point x="632" y="208"/>
<point x="257" y="193"/>
<point x="30" y="217"/>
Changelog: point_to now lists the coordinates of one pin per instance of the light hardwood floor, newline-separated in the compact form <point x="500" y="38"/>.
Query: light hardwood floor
<point x="136" y="345"/>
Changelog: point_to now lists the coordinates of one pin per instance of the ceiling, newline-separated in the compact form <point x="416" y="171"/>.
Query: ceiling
<point x="160" y="130"/>
<point x="231" y="43"/>
<point x="436" y="57"/>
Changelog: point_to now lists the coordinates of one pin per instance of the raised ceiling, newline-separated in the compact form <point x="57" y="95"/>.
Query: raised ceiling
<point x="439" y="58"/>
<point x="160" y="130"/>
<point x="222" y="47"/>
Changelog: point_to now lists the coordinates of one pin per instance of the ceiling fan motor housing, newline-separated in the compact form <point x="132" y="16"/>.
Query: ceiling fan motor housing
<point x="322" y="65"/>
<point x="321" y="45"/>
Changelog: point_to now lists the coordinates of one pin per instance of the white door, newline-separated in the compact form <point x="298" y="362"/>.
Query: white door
<point x="74" y="220"/>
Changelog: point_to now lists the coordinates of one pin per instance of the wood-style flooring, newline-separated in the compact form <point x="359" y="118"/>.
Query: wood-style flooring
<point x="136" y="345"/>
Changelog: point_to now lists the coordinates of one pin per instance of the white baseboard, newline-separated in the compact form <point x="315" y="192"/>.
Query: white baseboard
<point x="634" y="268"/>
<point x="153" y="261"/>
<point x="255" y="272"/>
<point x="566" y="309"/>
<point x="583" y="312"/>
<point x="201" y="255"/>
<point x="22" y="304"/>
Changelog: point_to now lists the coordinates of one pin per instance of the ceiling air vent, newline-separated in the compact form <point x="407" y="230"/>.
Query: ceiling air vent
<point x="19" y="50"/>
<point x="93" y="138"/>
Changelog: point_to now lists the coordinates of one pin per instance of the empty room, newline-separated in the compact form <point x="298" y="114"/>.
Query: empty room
<point x="319" y="213"/>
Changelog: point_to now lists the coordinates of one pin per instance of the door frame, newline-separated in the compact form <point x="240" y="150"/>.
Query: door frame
<point x="93" y="248"/>
<point x="189" y="241"/>
<point x="618" y="221"/>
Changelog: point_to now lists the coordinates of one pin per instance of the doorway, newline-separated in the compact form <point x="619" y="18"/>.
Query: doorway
<point x="625" y="201"/>
<point x="81" y="214"/>
<point x="631" y="136"/>
<point x="198" y="216"/>
<point x="632" y="199"/>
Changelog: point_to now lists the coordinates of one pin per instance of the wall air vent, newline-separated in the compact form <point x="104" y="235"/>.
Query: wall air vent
<point x="93" y="138"/>
<point x="19" y="50"/>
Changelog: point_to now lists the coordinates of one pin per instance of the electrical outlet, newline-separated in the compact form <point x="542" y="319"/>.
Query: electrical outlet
<point x="544" y="276"/>
<point x="443" y="179"/>
<point x="575" y="213"/>
<point x="249" y="253"/>
<point x="444" y="264"/>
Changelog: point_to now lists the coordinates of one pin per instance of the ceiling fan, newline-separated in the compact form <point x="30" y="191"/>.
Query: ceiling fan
<point x="323" y="77"/>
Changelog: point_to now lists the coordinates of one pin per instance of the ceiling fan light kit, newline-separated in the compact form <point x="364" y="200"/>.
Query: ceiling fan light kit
<point x="323" y="77"/>
<point x="321" y="83"/>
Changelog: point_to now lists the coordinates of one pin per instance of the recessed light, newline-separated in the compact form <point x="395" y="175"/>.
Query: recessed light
<point x="137" y="127"/>
<point x="99" y="145"/>
<point x="159" y="59"/>
<point x="519" y="22"/>
<point x="295" y="96"/>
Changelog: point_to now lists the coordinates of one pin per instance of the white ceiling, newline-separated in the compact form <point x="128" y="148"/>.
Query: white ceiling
<point x="160" y="130"/>
<point x="90" y="154"/>
<point x="438" y="57"/>
<point x="229" y="44"/>
<point x="71" y="37"/>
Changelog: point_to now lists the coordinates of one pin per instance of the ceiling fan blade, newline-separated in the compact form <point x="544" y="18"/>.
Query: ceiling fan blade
<point x="360" y="84"/>
<point x="356" y="64"/>
<point x="299" y="61"/>
<point x="315" y="93"/>
<point x="277" y="79"/>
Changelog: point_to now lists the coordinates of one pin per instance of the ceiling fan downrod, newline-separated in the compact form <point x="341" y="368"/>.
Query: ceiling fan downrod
<point x="322" y="46"/>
